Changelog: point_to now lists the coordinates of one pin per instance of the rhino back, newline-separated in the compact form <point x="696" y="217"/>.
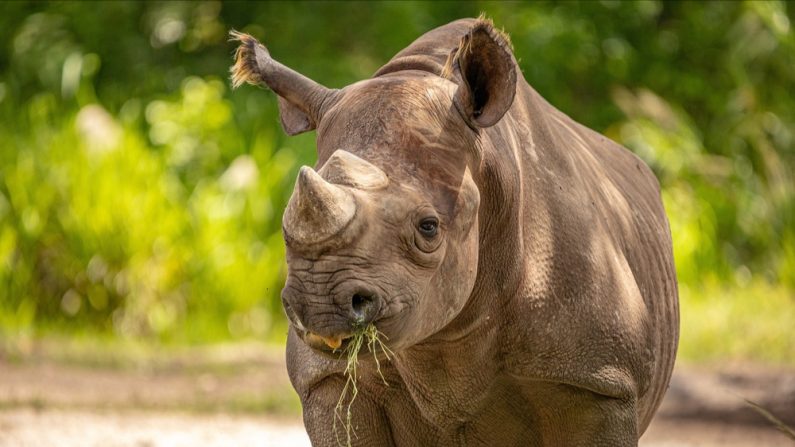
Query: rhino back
<point x="430" y="51"/>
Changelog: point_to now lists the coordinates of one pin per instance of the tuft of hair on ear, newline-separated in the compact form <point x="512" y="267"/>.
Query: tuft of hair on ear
<point x="464" y="46"/>
<point x="498" y="34"/>
<point x="449" y="65"/>
<point x="245" y="68"/>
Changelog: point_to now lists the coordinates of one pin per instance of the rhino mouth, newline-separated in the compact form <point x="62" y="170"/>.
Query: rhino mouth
<point x="337" y="342"/>
<point x="327" y="323"/>
<point x="333" y="347"/>
<point x="328" y="344"/>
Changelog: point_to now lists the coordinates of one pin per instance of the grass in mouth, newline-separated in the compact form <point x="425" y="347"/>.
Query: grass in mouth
<point x="371" y="337"/>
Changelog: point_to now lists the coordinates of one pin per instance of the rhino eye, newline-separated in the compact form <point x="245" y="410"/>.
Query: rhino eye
<point x="429" y="226"/>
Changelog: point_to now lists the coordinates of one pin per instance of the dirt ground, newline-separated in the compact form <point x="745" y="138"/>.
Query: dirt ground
<point x="242" y="397"/>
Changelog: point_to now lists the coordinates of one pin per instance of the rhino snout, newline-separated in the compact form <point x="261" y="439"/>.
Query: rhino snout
<point x="327" y="323"/>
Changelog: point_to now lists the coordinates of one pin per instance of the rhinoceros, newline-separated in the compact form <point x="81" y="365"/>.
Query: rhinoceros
<point x="518" y="264"/>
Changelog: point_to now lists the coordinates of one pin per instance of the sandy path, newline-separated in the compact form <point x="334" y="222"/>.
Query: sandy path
<point x="244" y="400"/>
<point x="28" y="427"/>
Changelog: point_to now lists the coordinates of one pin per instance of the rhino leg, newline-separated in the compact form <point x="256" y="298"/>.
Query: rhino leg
<point x="580" y="417"/>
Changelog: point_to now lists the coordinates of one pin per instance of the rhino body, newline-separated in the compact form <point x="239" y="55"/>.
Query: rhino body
<point x="519" y="263"/>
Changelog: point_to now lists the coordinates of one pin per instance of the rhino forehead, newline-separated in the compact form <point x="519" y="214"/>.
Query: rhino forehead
<point x="407" y="127"/>
<point x="388" y="112"/>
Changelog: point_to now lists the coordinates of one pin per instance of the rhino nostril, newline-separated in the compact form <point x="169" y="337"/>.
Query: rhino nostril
<point x="363" y="306"/>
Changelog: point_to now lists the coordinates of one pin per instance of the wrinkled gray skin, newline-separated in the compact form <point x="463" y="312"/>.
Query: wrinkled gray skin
<point x="544" y="309"/>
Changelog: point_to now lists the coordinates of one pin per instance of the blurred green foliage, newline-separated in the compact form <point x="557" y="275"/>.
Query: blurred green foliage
<point x="139" y="196"/>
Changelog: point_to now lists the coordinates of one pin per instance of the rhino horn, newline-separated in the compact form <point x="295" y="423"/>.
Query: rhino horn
<point x="302" y="101"/>
<point x="345" y="168"/>
<point x="317" y="209"/>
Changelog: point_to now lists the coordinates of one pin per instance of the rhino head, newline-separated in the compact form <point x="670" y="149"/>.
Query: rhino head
<point x="385" y="229"/>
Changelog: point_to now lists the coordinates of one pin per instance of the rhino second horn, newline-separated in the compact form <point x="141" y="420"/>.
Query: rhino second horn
<point x="317" y="209"/>
<point x="344" y="168"/>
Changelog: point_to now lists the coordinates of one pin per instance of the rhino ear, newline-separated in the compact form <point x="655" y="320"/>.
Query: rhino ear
<point x="486" y="67"/>
<point x="302" y="101"/>
<point x="293" y="119"/>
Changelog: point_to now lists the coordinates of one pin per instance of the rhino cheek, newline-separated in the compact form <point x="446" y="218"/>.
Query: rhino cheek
<point x="458" y="273"/>
<point x="444" y="292"/>
<point x="441" y="299"/>
<point x="456" y="276"/>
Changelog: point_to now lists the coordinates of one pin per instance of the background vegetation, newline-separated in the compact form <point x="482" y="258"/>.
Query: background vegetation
<point x="140" y="198"/>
